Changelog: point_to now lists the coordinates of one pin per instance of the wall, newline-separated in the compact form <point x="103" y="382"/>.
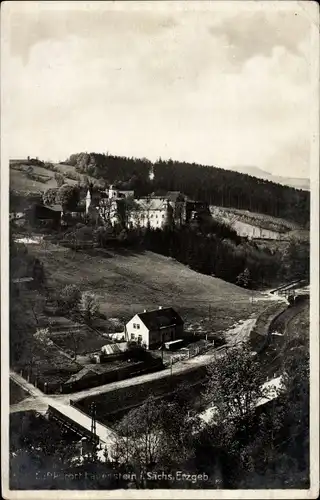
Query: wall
<point x="143" y="330"/>
<point x="156" y="218"/>
<point x="245" y="229"/>
<point x="157" y="337"/>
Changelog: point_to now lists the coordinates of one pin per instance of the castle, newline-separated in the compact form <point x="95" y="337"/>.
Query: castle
<point x="154" y="210"/>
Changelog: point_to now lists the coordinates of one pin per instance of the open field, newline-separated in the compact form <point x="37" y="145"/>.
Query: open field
<point x="35" y="178"/>
<point x="126" y="283"/>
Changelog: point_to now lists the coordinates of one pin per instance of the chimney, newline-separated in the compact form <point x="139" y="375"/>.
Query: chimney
<point x="160" y="307"/>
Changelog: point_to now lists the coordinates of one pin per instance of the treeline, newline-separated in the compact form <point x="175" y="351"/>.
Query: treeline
<point x="242" y="263"/>
<point x="210" y="184"/>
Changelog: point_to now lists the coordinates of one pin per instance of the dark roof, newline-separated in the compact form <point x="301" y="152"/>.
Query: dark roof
<point x="56" y="208"/>
<point x="160" y="318"/>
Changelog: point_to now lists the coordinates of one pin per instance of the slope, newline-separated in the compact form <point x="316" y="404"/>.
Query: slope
<point x="127" y="283"/>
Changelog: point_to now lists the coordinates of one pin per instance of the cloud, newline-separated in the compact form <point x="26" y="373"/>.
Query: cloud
<point x="217" y="89"/>
<point x="251" y="34"/>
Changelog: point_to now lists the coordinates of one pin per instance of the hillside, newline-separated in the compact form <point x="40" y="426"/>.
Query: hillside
<point x="127" y="283"/>
<point x="295" y="182"/>
<point x="265" y="221"/>
<point x="210" y="184"/>
<point x="33" y="178"/>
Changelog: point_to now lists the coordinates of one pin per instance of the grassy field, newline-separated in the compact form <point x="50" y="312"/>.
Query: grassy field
<point x="126" y="283"/>
<point x="36" y="178"/>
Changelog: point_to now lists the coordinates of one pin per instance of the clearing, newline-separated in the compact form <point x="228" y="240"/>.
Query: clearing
<point x="126" y="283"/>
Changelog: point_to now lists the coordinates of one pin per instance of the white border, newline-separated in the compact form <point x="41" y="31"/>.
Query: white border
<point x="311" y="10"/>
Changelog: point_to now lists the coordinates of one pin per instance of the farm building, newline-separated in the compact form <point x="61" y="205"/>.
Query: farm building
<point x="153" y="328"/>
<point x="39" y="212"/>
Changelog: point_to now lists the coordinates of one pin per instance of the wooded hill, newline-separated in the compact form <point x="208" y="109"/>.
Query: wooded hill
<point x="211" y="184"/>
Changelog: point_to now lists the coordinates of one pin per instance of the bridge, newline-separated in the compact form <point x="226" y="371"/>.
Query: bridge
<point x="80" y="423"/>
<point x="65" y="414"/>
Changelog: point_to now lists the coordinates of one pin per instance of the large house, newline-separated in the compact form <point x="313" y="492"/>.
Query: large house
<point x="152" y="329"/>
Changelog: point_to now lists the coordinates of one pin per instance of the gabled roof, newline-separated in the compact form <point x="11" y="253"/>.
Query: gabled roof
<point x="160" y="318"/>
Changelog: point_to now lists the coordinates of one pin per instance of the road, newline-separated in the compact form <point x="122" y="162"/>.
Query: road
<point x="235" y="335"/>
<point x="40" y="402"/>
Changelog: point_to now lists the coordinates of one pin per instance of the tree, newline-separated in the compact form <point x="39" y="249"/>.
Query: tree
<point x="69" y="196"/>
<point x="235" y="384"/>
<point x="244" y="278"/>
<point x="50" y="196"/>
<point x="139" y="445"/>
<point x="42" y="336"/>
<point x="59" y="179"/>
<point x="156" y="436"/>
<point x="69" y="299"/>
<point x="88" y="306"/>
<point x="107" y="210"/>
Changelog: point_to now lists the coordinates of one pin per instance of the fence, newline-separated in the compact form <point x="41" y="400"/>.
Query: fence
<point x="34" y="378"/>
<point x="188" y="352"/>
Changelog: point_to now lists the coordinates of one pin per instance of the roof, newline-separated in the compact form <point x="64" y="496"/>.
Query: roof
<point x="55" y="208"/>
<point x="110" y="349"/>
<point x="161" y="318"/>
<point x="25" y="279"/>
<point x="148" y="204"/>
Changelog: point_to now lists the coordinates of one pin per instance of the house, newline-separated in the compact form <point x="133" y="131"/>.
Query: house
<point x="152" y="329"/>
<point x="39" y="212"/>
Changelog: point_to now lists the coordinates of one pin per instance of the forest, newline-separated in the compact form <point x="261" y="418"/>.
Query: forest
<point x="210" y="184"/>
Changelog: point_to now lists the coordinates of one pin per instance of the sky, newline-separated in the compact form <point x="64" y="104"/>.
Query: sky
<point x="202" y="83"/>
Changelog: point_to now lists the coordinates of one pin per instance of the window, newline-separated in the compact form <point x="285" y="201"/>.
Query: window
<point x="134" y="325"/>
<point x="163" y="216"/>
<point x="138" y="327"/>
<point x="132" y="336"/>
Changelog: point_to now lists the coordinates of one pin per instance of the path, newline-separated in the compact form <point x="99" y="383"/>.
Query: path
<point x="40" y="403"/>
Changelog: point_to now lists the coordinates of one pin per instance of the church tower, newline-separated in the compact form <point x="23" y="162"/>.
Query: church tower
<point x="88" y="201"/>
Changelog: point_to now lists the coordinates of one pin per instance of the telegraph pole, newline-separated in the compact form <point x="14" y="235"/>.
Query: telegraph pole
<point x="94" y="429"/>
<point x="93" y="419"/>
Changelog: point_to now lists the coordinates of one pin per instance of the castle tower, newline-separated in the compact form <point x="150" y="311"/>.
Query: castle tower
<point x="113" y="193"/>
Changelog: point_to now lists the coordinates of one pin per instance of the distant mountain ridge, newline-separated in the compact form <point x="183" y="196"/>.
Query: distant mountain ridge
<point x="295" y="182"/>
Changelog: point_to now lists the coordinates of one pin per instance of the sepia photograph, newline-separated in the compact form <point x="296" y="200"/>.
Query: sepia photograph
<point x="159" y="249"/>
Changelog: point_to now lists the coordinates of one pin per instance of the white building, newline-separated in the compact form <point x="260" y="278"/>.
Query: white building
<point x="149" y="211"/>
<point x="153" y="328"/>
